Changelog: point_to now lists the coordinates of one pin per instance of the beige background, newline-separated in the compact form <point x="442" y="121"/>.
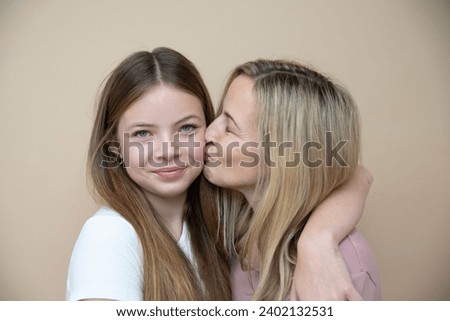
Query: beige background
<point x="393" y="56"/>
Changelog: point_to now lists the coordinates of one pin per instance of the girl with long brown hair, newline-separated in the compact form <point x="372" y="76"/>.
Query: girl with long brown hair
<point x="151" y="240"/>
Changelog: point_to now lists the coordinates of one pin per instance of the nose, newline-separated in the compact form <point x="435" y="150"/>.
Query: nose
<point x="212" y="132"/>
<point x="163" y="149"/>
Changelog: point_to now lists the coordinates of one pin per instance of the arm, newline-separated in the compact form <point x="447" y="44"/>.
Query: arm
<point x="321" y="273"/>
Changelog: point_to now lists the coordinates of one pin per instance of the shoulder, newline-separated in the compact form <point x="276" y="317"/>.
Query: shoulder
<point x="107" y="260"/>
<point x="107" y="223"/>
<point x="361" y="264"/>
<point x="107" y="216"/>
<point x="108" y="231"/>
<point x="356" y="252"/>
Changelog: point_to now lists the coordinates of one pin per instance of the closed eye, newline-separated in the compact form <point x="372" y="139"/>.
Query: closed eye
<point x="229" y="127"/>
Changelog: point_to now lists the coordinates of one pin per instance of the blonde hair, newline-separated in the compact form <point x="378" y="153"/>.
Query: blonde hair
<point x="168" y="274"/>
<point x="298" y="108"/>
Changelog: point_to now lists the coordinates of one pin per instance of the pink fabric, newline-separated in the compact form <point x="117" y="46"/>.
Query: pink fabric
<point x="357" y="255"/>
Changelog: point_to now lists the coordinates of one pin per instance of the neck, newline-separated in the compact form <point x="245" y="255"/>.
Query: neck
<point x="252" y="198"/>
<point x="170" y="211"/>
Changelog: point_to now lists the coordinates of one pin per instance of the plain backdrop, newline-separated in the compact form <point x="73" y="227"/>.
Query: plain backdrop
<point x="393" y="56"/>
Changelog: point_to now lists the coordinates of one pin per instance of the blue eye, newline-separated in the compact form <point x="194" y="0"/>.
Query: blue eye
<point x="142" y="133"/>
<point x="187" y="128"/>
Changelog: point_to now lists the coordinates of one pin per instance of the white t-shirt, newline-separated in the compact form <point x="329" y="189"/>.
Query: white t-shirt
<point x="107" y="260"/>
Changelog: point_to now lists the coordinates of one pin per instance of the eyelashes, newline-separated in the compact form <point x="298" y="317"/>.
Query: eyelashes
<point x="184" y="129"/>
<point x="188" y="128"/>
<point x="141" y="133"/>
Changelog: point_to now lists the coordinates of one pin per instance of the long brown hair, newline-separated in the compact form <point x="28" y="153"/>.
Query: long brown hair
<point x="168" y="274"/>
<point x="298" y="106"/>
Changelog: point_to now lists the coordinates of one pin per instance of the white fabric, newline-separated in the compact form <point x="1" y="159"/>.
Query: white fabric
<point x="107" y="260"/>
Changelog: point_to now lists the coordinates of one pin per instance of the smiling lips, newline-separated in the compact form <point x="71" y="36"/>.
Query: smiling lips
<point x="170" y="173"/>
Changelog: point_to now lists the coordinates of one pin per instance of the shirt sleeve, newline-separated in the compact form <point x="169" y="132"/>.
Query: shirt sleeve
<point x="361" y="265"/>
<point x="106" y="262"/>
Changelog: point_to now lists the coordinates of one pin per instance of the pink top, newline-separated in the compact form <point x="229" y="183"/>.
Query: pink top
<point x="357" y="255"/>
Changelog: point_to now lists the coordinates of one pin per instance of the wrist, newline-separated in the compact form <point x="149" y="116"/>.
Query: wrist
<point x="317" y="241"/>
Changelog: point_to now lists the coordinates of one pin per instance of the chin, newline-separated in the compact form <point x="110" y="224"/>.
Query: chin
<point x="209" y="175"/>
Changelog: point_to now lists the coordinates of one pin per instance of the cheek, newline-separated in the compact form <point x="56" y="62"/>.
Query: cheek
<point x="135" y="156"/>
<point x="194" y="154"/>
<point x="199" y="152"/>
<point x="244" y="154"/>
<point x="199" y="155"/>
<point x="246" y="162"/>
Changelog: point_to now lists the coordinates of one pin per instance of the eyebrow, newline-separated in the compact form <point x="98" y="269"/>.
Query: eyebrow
<point x="230" y="117"/>
<point x="182" y="120"/>
<point x="140" y="124"/>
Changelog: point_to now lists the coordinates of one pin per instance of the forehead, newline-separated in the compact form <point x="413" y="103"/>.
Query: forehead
<point x="163" y="104"/>
<point x="239" y="100"/>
